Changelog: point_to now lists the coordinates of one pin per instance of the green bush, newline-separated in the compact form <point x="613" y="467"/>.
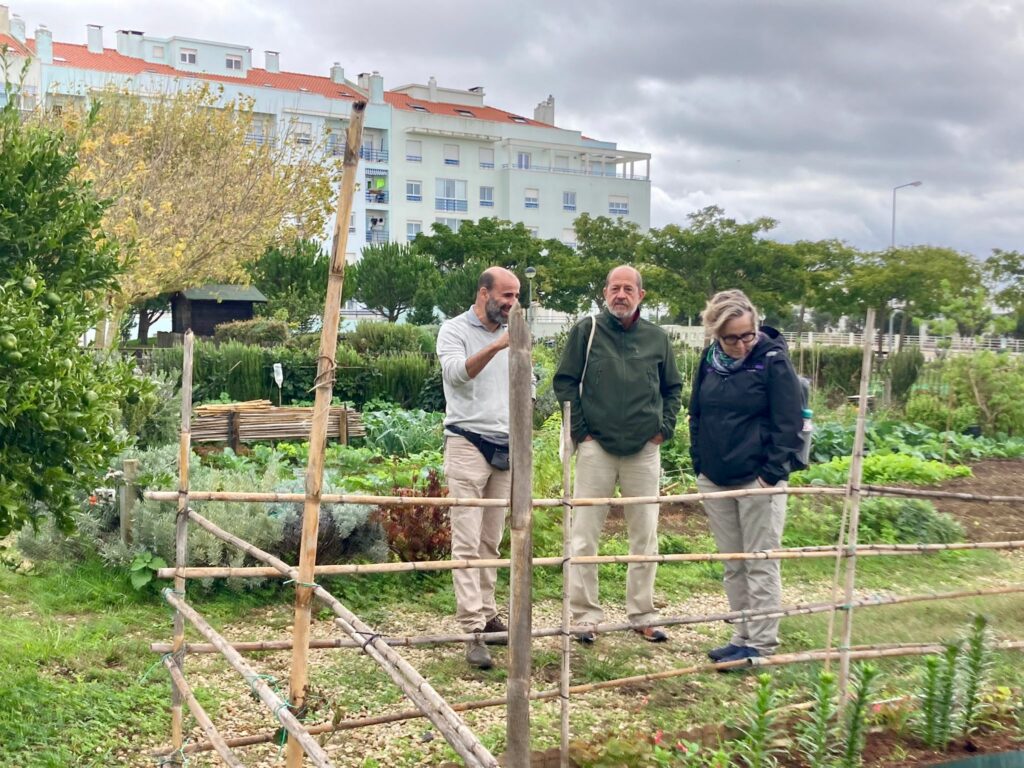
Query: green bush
<point x="260" y="331"/>
<point x="431" y="396"/>
<point x="930" y="410"/>
<point x="992" y="383"/>
<point x="153" y="418"/>
<point x="836" y="370"/>
<point x="399" y="377"/>
<point x="394" y="431"/>
<point x="903" y="369"/>
<point x="373" y="339"/>
<point x="880" y="469"/>
<point x="814" y="522"/>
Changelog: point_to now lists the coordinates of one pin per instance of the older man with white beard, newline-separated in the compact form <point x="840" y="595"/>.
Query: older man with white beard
<point x="619" y="374"/>
<point x="473" y="350"/>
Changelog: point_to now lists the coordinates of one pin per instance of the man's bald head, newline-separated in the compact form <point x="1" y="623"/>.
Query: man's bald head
<point x="497" y="292"/>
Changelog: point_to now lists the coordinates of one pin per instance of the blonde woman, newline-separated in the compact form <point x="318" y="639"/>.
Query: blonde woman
<point x="745" y="420"/>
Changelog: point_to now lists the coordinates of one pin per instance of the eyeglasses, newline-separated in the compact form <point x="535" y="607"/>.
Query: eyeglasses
<point x="746" y="338"/>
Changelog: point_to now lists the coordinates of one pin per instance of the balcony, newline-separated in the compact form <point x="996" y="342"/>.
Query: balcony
<point x="378" y="196"/>
<point x="576" y="172"/>
<point x="377" y="235"/>
<point x="374" y="155"/>
<point x="450" y="204"/>
<point x="259" y="139"/>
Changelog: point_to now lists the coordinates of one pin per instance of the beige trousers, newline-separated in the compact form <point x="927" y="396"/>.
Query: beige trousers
<point x="749" y="524"/>
<point x="597" y="472"/>
<point x="476" y="531"/>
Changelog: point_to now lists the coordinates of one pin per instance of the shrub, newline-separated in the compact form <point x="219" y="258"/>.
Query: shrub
<point x="394" y="431"/>
<point x="399" y="377"/>
<point x="431" y="396"/>
<point x="153" y="418"/>
<point x="836" y="370"/>
<point x="992" y="383"/>
<point x="815" y="522"/>
<point x="260" y="331"/>
<point x="903" y="369"/>
<point x="418" y="532"/>
<point x="373" y="339"/>
<point x="930" y="410"/>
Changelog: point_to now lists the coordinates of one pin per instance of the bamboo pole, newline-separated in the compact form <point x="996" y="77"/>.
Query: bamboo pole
<point x="800" y="609"/>
<point x="853" y="497"/>
<point x="863" y="550"/>
<point x="256" y="682"/>
<point x="520" y="622"/>
<point x="564" y="678"/>
<point x="440" y="713"/>
<point x="318" y="431"/>
<point x="180" y="684"/>
<point x="884" y="650"/>
<point x="181" y="529"/>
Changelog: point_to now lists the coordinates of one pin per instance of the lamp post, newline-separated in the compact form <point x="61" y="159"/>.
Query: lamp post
<point x="530" y="274"/>
<point x="892" y="241"/>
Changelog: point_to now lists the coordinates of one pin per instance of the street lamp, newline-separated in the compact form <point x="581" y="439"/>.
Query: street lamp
<point x="892" y="241"/>
<point x="530" y="274"/>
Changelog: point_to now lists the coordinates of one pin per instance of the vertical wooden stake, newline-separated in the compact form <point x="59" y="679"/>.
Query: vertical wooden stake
<point x="853" y="501"/>
<point x="318" y="430"/>
<point x="521" y="592"/>
<point x="181" y="533"/>
<point x="128" y="499"/>
<point x="563" y="686"/>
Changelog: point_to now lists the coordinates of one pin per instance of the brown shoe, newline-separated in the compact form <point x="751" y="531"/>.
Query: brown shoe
<point x="652" y="635"/>
<point x="495" y="624"/>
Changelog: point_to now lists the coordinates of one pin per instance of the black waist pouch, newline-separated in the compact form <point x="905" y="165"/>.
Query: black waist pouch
<point x="496" y="454"/>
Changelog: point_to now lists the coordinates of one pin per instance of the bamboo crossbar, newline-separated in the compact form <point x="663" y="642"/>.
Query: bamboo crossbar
<point x="339" y="569"/>
<point x="884" y="650"/>
<point x="258" y="685"/>
<point x="419" y="691"/>
<point x="800" y="609"/>
<point x="460" y="501"/>
<point x="179" y="682"/>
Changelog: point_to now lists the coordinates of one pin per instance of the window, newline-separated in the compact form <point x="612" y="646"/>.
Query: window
<point x="487" y="197"/>
<point x="523" y="160"/>
<point x="531" y="197"/>
<point x="618" y="205"/>
<point x="568" y="201"/>
<point x="303" y="133"/>
<point x="419" y="108"/>
<point x="158" y="52"/>
<point x="451" y="195"/>
<point x="464" y="113"/>
<point x="414" y="191"/>
<point x="562" y="163"/>
<point x="352" y="222"/>
<point x="451" y="154"/>
<point x="517" y="119"/>
<point x="412" y="228"/>
<point x="486" y="157"/>
<point x="187" y="56"/>
<point x="231" y="61"/>
<point x="569" y="237"/>
<point x="413" y="151"/>
<point x="452" y="224"/>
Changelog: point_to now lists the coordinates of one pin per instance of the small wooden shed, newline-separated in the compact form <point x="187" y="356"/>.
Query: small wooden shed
<point x="203" y="309"/>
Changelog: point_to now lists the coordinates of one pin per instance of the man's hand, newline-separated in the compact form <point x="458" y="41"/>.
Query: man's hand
<point x="476" y="363"/>
<point x="658" y="439"/>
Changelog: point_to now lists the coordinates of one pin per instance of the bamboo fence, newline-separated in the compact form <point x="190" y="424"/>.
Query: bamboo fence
<point x="428" y="703"/>
<point x="254" y="420"/>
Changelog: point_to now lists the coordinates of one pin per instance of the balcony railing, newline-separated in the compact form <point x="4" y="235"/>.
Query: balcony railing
<point x="450" y="204"/>
<point x="379" y="196"/>
<point x="258" y="139"/>
<point x="486" y="203"/>
<point x="413" y="198"/>
<point x="374" y="155"/>
<point x="577" y="172"/>
<point x="414" y="158"/>
<point x="379" y="235"/>
<point x="487" y="166"/>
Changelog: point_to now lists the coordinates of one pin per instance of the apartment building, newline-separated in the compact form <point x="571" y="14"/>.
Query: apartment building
<point x="429" y="154"/>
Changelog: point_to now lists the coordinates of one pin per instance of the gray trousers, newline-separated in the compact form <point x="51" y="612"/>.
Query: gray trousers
<point x="749" y="524"/>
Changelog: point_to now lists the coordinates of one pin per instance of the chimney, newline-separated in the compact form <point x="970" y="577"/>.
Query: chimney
<point x="376" y="88"/>
<point x="432" y="88"/>
<point x="18" y="28"/>
<point x="5" y="20"/>
<point x="545" y="111"/>
<point x="273" y="61"/>
<point x="94" y="37"/>
<point x="44" y="45"/>
<point x="364" y="81"/>
<point x="338" y="73"/>
<point x="128" y="42"/>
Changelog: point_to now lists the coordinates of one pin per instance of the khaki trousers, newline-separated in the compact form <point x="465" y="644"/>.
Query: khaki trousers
<point x="476" y="531"/>
<point x="597" y="472"/>
<point x="749" y="524"/>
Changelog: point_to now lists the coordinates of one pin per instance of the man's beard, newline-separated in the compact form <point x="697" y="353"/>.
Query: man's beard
<point x="493" y="311"/>
<point x="622" y="311"/>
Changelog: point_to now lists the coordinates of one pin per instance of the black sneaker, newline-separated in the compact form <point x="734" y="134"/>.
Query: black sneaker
<point x="717" y="654"/>
<point x="743" y="654"/>
<point x="495" y="624"/>
<point x="584" y="638"/>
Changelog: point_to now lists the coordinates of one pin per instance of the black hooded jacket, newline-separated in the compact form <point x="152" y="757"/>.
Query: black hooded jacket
<point x="747" y="425"/>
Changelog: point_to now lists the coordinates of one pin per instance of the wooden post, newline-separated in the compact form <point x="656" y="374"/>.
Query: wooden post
<point x="181" y="532"/>
<point x="853" y="492"/>
<point x="318" y="431"/>
<point x="563" y="688"/>
<point x="521" y="579"/>
<point x="127" y="500"/>
<point x="343" y="426"/>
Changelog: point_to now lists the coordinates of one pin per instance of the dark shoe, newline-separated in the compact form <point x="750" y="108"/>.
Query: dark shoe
<point x="495" y="624"/>
<point x="717" y="654"/>
<point x="585" y="638"/>
<point x="478" y="656"/>
<point x="740" y="655"/>
<point x="652" y="635"/>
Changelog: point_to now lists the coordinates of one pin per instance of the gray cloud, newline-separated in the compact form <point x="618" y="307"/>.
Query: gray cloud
<point x="803" y="110"/>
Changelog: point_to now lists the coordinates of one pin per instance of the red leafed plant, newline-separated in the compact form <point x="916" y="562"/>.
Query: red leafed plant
<point x="419" y="532"/>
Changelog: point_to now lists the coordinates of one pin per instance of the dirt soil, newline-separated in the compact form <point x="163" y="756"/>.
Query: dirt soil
<point x="981" y="521"/>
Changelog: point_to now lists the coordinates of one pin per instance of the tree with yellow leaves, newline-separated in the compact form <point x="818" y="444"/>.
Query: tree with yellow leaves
<point x="199" y="186"/>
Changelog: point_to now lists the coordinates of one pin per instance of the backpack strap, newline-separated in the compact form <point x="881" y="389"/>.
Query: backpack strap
<point x="586" y="356"/>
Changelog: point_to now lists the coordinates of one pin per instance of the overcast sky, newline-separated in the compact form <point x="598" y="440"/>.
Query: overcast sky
<point x="808" y="111"/>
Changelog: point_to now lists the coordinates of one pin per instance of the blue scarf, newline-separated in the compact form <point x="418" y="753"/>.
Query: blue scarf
<point x="721" y="363"/>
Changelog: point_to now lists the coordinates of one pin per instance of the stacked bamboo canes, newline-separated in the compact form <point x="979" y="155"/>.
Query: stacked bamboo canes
<point x="258" y="420"/>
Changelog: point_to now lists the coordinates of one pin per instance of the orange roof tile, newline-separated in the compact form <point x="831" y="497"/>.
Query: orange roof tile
<point x="14" y="45"/>
<point x="71" y="55"/>
<point x="404" y="101"/>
